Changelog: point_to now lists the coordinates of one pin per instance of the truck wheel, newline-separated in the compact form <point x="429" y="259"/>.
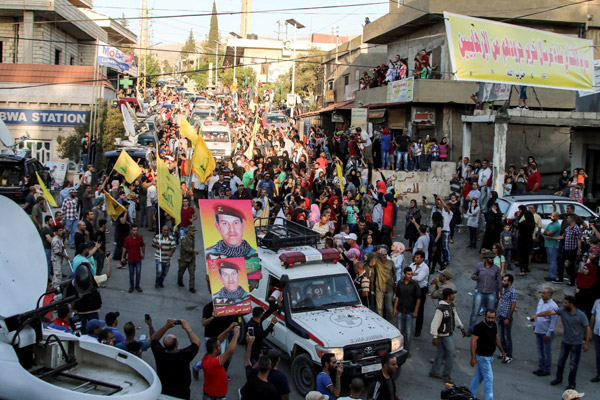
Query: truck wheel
<point x="303" y="374"/>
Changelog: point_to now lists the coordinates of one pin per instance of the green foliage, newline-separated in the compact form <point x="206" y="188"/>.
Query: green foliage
<point x="152" y="70"/>
<point x="188" y="47"/>
<point x="123" y="21"/>
<point x="226" y="76"/>
<point x="111" y="127"/>
<point x="213" y="33"/>
<point x="167" y="68"/>
<point x="307" y="72"/>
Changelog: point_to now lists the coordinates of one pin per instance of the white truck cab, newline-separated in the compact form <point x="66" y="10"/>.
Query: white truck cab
<point x="321" y="311"/>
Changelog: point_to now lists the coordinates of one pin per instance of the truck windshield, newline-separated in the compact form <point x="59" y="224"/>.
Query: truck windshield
<point x="276" y="119"/>
<point x="322" y="293"/>
<point x="222" y="137"/>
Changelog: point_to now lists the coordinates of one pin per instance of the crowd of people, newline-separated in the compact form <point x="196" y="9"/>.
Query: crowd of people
<point x="324" y="181"/>
<point x="384" y="74"/>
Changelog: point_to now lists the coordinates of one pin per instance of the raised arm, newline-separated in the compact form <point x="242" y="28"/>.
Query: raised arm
<point x="193" y="337"/>
<point x="160" y="333"/>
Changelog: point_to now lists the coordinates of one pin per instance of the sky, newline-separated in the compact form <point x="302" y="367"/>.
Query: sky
<point x="176" y="30"/>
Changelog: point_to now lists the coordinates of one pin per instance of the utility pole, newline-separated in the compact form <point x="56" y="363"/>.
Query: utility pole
<point x="143" y="48"/>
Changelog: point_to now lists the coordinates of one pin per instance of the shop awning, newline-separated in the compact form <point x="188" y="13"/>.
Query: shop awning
<point x="343" y="105"/>
<point x="377" y="113"/>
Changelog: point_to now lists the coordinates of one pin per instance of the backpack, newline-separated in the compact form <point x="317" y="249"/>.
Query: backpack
<point x="457" y="393"/>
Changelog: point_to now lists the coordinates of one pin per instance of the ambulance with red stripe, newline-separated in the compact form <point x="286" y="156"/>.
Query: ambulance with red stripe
<point x="319" y="310"/>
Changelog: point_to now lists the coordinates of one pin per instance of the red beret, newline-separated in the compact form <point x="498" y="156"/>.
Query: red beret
<point x="227" y="264"/>
<point x="222" y="208"/>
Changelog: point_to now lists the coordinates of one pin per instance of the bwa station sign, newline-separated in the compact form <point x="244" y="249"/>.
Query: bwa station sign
<point x="14" y="116"/>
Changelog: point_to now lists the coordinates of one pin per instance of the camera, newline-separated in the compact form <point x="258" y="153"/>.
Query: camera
<point x="251" y="331"/>
<point x="177" y="322"/>
<point x="147" y="317"/>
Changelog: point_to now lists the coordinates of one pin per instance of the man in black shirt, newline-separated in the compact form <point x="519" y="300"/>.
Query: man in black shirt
<point x="100" y="254"/>
<point x="384" y="387"/>
<point x="401" y="142"/>
<point x="257" y="386"/>
<point x="213" y="326"/>
<point x="484" y="341"/>
<point x="172" y="363"/>
<point x="406" y="305"/>
<point x="258" y="316"/>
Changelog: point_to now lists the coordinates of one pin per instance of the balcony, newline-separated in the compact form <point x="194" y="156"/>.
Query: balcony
<point x="402" y="18"/>
<point x="434" y="91"/>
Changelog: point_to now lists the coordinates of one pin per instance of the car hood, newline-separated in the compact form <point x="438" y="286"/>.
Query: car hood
<point x="342" y="326"/>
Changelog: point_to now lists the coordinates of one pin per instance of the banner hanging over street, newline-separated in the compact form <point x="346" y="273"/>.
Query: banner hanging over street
<point x="114" y="58"/>
<point x="487" y="51"/>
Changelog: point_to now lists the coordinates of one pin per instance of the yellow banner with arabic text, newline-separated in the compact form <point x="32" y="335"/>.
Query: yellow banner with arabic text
<point x="488" y="51"/>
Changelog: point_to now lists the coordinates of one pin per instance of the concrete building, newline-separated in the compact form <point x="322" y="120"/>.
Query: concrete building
<point x="437" y="105"/>
<point x="48" y="50"/>
<point x="270" y="58"/>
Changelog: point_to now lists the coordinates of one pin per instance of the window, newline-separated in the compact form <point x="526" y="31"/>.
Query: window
<point x="40" y="149"/>
<point x="1" y="55"/>
<point x="582" y="212"/>
<point x="545" y="210"/>
<point x="57" y="56"/>
<point x="346" y="79"/>
<point x="72" y="61"/>
<point x="330" y="85"/>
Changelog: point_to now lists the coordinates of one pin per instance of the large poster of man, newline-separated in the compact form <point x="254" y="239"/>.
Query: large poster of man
<point x="229" y="286"/>
<point x="58" y="172"/>
<point x="228" y="231"/>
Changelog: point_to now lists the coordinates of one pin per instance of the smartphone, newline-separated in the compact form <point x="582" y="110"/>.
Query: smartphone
<point x="147" y="317"/>
<point x="177" y="322"/>
<point x="251" y="331"/>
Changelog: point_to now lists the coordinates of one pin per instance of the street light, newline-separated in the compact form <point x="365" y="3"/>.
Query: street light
<point x="235" y="35"/>
<point x="296" y="25"/>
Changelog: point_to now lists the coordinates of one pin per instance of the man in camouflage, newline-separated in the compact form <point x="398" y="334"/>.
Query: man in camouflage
<point x="187" y="258"/>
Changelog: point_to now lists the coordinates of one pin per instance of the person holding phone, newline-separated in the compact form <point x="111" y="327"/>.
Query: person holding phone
<point x="255" y="325"/>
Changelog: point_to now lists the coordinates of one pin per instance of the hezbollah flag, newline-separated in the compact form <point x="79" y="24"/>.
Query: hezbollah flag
<point x="187" y="130"/>
<point x="127" y="167"/>
<point x="340" y="174"/>
<point x="203" y="162"/>
<point x="45" y="191"/>
<point x="169" y="191"/>
<point x="113" y="207"/>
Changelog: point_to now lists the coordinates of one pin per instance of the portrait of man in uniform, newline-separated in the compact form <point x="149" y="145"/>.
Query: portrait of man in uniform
<point x="231" y="292"/>
<point x="229" y="222"/>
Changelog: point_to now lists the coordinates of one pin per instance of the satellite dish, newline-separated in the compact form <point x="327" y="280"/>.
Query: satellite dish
<point x="5" y="136"/>
<point x="127" y="121"/>
<point x="132" y="113"/>
<point x="23" y="266"/>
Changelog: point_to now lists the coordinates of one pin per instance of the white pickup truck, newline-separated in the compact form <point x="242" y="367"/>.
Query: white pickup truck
<point x="321" y="310"/>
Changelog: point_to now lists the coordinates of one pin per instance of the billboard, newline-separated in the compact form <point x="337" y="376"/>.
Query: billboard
<point x="358" y="119"/>
<point x="114" y="58"/>
<point x="487" y="51"/>
<point x="228" y="232"/>
<point x="58" y="172"/>
<point x="22" y="116"/>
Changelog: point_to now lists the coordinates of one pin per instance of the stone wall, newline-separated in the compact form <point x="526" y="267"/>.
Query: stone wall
<point x="414" y="185"/>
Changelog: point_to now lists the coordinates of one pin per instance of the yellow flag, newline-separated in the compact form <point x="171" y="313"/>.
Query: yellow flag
<point x="262" y="219"/>
<point x="45" y="191"/>
<point x="113" y="207"/>
<point x="169" y="191"/>
<point x="340" y="174"/>
<point x="187" y="131"/>
<point x="203" y="162"/>
<point x="127" y="167"/>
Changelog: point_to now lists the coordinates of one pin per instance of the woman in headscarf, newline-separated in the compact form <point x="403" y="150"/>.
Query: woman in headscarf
<point x="493" y="227"/>
<point x="525" y="230"/>
<point x="315" y="214"/>
<point x="389" y="213"/>
<point x="410" y="230"/>
<point x="586" y="280"/>
<point x="334" y="203"/>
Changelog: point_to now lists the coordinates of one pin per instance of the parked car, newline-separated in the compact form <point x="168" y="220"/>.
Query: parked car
<point x="17" y="174"/>
<point x="509" y="206"/>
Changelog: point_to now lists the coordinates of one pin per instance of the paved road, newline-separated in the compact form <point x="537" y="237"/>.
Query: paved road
<point x="511" y="381"/>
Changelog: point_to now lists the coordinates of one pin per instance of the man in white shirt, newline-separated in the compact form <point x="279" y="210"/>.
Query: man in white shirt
<point x="484" y="175"/>
<point x="421" y="276"/>
<point x="151" y="197"/>
<point x="365" y="140"/>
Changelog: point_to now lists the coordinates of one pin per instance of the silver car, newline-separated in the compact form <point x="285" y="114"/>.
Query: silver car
<point x="509" y="206"/>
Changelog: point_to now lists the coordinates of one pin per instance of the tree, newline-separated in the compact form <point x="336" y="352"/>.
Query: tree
<point x="111" y="127"/>
<point x="152" y="70"/>
<point x="226" y="76"/>
<point x="307" y="72"/>
<point x="189" y="47"/>
<point x="123" y="21"/>
<point x="213" y="33"/>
